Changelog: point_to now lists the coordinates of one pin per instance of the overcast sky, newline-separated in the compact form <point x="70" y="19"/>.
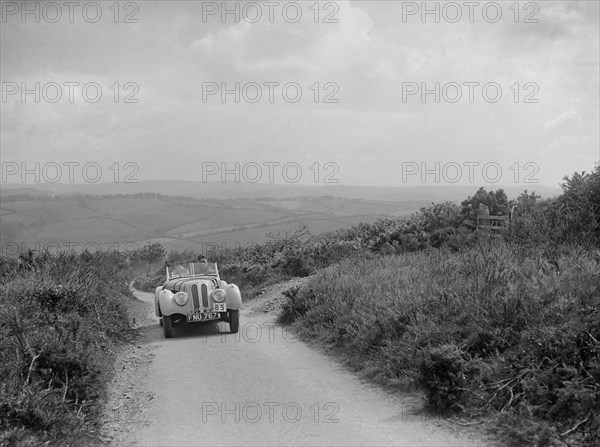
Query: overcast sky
<point x="371" y="63"/>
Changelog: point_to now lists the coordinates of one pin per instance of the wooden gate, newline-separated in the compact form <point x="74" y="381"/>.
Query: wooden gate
<point x="492" y="223"/>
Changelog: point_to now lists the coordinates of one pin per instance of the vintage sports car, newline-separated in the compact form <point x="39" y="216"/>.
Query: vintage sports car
<point x="196" y="294"/>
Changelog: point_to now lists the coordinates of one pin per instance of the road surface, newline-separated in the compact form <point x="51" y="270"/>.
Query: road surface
<point x="264" y="387"/>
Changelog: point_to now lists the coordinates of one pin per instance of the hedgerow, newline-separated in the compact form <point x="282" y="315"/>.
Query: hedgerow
<point x="503" y="325"/>
<point x="490" y="329"/>
<point x="60" y="318"/>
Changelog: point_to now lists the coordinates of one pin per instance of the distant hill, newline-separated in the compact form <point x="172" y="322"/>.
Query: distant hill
<point x="102" y="222"/>
<point x="231" y="190"/>
<point x="195" y="215"/>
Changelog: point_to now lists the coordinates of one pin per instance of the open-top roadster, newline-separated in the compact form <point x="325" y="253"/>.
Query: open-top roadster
<point x="196" y="294"/>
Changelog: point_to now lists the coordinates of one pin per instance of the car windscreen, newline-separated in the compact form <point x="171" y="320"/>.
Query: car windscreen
<point x="179" y="270"/>
<point x="204" y="268"/>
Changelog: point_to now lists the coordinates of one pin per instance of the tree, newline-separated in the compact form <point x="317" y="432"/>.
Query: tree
<point x="573" y="217"/>
<point x="533" y="219"/>
<point x="526" y="200"/>
<point x="439" y="215"/>
<point x="495" y="200"/>
<point x="579" y="205"/>
<point x="150" y="253"/>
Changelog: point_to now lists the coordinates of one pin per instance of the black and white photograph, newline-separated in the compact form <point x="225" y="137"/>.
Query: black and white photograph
<point x="300" y="223"/>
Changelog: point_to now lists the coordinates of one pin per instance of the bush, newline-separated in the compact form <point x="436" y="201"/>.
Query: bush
<point x="290" y="311"/>
<point x="493" y="328"/>
<point x="60" y="317"/>
<point x="149" y="282"/>
<point x="443" y="375"/>
<point x="579" y="207"/>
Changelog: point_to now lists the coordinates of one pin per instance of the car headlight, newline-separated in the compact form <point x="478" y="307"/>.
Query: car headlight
<point x="181" y="298"/>
<point x="219" y="295"/>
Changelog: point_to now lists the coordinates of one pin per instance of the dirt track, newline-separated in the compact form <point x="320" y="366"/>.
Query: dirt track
<point x="261" y="386"/>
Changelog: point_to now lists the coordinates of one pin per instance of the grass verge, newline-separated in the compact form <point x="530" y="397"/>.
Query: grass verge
<point x="60" y="318"/>
<point x="493" y="330"/>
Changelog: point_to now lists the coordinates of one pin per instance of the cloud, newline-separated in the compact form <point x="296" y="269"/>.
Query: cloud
<point x="567" y="119"/>
<point x="368" y="54"/>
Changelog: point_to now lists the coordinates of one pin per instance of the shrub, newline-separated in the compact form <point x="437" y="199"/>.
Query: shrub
<point x="149" y="282"/>
<point x="443" y="375"/>
<point x="60" y="316"/>
<point x="496" y="201"/>
<point x="290" y="311"/>
<point x="492" y="328"/>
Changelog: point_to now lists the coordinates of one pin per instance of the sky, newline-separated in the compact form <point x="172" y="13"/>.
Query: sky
<point x="384" y="93"/>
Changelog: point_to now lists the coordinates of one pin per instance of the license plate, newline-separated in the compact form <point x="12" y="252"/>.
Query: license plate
<point x="203" y="317"/>
<point x="220" y="307"/>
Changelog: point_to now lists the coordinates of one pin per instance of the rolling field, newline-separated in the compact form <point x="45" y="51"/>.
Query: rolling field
<point x="38" y="221"/>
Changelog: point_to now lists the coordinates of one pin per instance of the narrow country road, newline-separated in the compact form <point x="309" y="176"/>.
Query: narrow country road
<point x="264" y="387"/>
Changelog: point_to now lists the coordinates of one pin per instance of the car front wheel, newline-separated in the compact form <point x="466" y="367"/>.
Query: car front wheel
<point x="167" y="326"/>
<point x="234" y="321"/>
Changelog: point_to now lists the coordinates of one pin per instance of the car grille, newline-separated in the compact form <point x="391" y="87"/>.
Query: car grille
<point x="196" y="297"/>
<point x="204" y="289"/>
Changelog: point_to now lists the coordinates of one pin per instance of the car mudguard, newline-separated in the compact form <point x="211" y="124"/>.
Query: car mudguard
<point x="156" y="306"/>
<point x="234" y="297"/>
